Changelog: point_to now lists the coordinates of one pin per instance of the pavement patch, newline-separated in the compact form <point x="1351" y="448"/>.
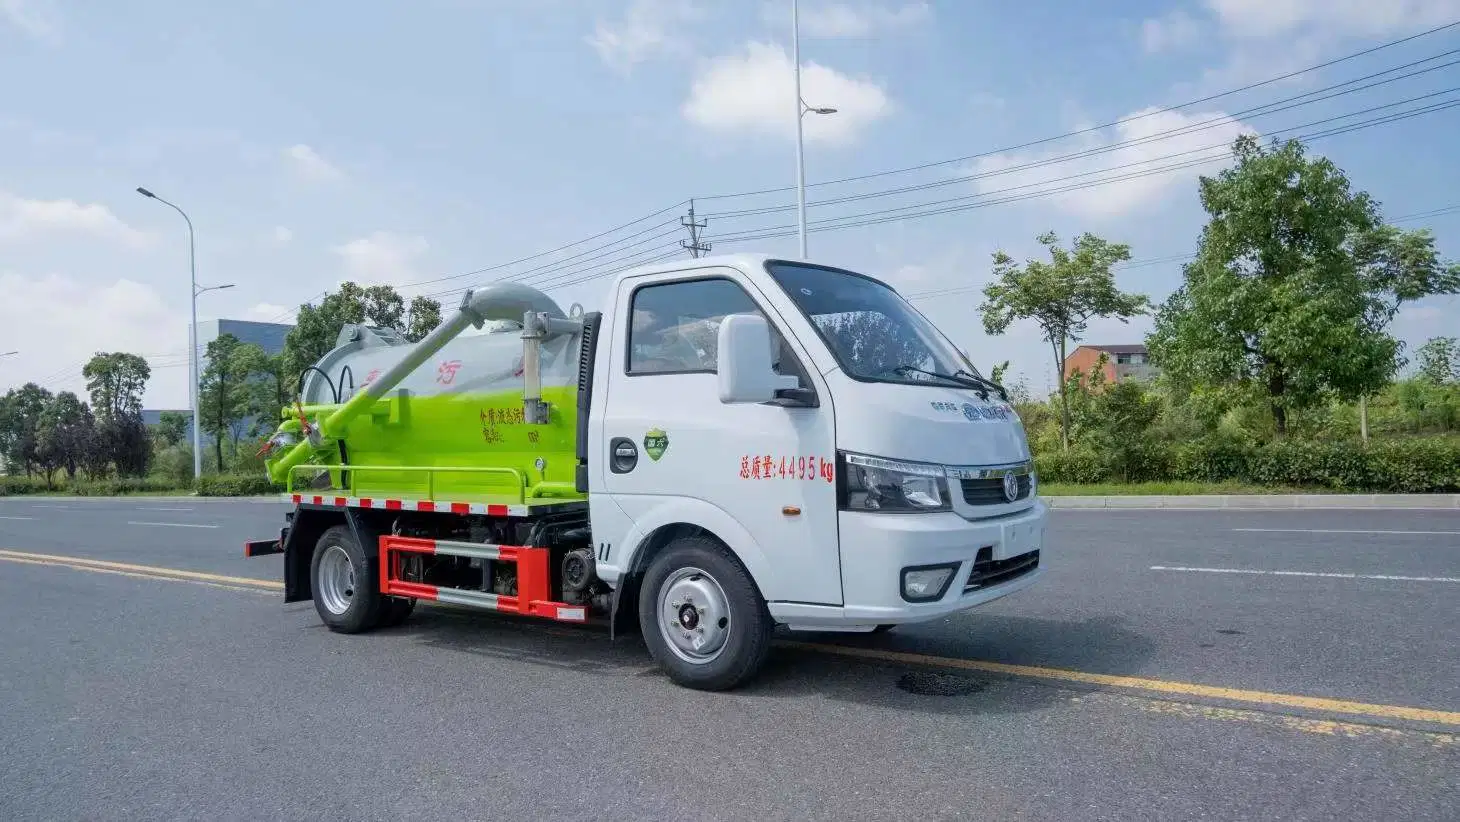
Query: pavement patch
<point x="151" y="571"/>
<point x="1263" y="700"/>
<point x="1165" y="686"/>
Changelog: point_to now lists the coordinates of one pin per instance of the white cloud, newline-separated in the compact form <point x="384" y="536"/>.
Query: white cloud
<point x="309" y="165"/>
<point x="55" y="340"/>
<point x="35" y="19"/>
<point x="281" y="235"/>
<point x="271" y="313"/>
<point x="22" y="220"/>
<point x="1003" y="172"/>
<point x="848" y="20"/>
<point x="383" y="257"/>
<point x="1175" y="30"/>
<point x="1342" y="18"/>
<point x="648" y="27"/>
<point x="754" y="90"/>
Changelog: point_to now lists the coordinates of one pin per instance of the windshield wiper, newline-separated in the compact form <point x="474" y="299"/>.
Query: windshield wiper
<point x="971" y="381"/>
<point x="1003" y="393"/>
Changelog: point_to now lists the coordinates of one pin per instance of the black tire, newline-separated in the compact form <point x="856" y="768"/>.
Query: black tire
<point x="747" y="640"/>
<point x="396" y="611"/>
<point x="365" y="604"/>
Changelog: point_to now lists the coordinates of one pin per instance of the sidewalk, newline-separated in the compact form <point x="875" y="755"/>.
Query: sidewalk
<point x="1391" y="502"/>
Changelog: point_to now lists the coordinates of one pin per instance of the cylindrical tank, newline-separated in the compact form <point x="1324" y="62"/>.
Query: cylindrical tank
<point x="458" y="414"/>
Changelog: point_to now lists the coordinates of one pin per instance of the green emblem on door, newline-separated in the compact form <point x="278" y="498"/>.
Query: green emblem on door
<point x="655" y="443"/>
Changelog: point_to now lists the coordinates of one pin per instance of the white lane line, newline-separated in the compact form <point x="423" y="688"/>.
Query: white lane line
<point x="173" y="524"/>
<point x="1341" y="531"/>
<point x="164" y="509"/>
<point x="1323" y="575"/>
<point x="17" y="517"/>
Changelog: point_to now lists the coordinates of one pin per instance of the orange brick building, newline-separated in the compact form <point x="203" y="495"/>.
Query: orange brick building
<point x="1122" y="362"/>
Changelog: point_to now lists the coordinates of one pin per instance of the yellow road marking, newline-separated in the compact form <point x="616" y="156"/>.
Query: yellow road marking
<point x="1320" y="727"/>
<point x="1188" y="689"/>
<point x="138" y="570"/>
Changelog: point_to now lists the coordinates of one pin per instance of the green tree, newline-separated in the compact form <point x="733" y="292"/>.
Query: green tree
<point x="226" y="391"/>
<point x="1061" y="296"/>
<point x="20" y="418"/>
<point x="318" y="327"/>
<point x="172" y="428"/>
<point x="422" y="317"/>
<point x="1294" y="283"/>
<point x="116" y="382"/>
<point x="63" y="435"/>
<point x="1439" y="360"/>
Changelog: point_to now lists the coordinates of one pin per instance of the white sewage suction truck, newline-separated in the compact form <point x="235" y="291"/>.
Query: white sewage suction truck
<point x="735" y="443"/>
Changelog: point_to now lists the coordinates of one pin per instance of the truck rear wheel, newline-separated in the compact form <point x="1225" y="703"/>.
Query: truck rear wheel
<point x="702" y="617"/>
<point x="345" y="594"/>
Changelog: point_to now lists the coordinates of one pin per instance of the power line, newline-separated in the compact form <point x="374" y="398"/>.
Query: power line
<point x="1174" y="258"/>
<point x="955" y="204"/>
<point x="1090" y="129"/>
<point x="1275" y="107"/>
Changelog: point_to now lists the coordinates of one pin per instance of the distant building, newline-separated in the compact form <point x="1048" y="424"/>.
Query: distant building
<point x="1123" y="362"/>
<point x="268" y="336"/>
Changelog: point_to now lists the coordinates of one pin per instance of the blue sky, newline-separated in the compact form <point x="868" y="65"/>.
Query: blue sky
<point x="405" y="142"/>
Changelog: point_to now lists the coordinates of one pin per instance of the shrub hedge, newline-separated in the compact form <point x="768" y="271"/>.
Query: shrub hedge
<point x="237" y="485"/>
<point x="211" y="485"/>
<point x="1430" y="465"/>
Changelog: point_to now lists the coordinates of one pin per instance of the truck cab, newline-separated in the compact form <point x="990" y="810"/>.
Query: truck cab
<point x="822" y="430"/>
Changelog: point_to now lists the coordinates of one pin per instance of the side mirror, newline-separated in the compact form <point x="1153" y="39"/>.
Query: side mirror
<point x="745" y="366"/>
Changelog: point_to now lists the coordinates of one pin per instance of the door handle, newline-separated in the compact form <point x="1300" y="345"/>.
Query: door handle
<point x="623" y="455"/>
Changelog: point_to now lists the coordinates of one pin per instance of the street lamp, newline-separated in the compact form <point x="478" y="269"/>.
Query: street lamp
<point x="801" y="111"/>
<point x="192" y="333"/>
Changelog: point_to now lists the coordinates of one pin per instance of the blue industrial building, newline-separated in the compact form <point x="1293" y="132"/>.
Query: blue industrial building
<point x="268" y="336"/>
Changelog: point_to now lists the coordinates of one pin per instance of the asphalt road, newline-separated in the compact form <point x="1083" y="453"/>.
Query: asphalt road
<point x="1166" y="673"/>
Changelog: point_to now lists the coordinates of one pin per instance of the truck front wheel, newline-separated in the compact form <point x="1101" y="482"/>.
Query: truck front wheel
<point x="702" y="617"/>
<point x="345" y="592"/>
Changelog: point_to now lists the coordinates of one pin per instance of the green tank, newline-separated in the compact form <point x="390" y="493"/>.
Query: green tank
<point x="489" y="416"/>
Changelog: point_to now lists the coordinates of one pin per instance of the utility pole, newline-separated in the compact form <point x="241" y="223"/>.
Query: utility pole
<point x="695" y="245"/>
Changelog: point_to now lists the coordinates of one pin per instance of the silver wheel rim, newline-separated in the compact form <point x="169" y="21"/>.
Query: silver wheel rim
<point x="694" y="615"/>
<point x="336" y="580"/>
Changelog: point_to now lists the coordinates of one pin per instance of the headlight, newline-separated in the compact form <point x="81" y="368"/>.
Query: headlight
<point x="872" y="484"/>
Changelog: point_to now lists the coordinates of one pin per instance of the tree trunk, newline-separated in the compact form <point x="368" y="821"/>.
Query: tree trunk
<point x="1276" y="388"/>
<point x="1059" y="369"/>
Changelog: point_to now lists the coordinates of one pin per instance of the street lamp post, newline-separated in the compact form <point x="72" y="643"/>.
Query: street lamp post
<point x="192" y="332"/>
<point x="801" y="111"/>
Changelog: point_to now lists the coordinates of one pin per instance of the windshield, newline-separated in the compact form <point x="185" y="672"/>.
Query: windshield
<point x="873" y="332"/>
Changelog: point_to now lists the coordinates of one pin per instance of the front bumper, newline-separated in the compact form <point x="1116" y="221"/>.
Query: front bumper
<point x="994" y="557"/>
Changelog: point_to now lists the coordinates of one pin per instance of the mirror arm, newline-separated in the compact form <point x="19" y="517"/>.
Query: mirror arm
<point x="796" y="398"/>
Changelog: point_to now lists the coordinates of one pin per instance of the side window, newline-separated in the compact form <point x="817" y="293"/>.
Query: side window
<point x="676" y="327"/>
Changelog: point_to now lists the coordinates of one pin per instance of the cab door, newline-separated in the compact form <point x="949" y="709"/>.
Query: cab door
<point x="668" y="450"/>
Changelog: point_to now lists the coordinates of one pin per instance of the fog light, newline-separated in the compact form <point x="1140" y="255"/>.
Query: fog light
<point x="926" y="583"/>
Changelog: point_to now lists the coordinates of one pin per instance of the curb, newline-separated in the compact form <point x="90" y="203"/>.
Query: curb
<point x="1264" y="502"/>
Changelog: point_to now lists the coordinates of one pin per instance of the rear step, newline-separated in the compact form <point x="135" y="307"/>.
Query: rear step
<point x="533" y="581"/>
